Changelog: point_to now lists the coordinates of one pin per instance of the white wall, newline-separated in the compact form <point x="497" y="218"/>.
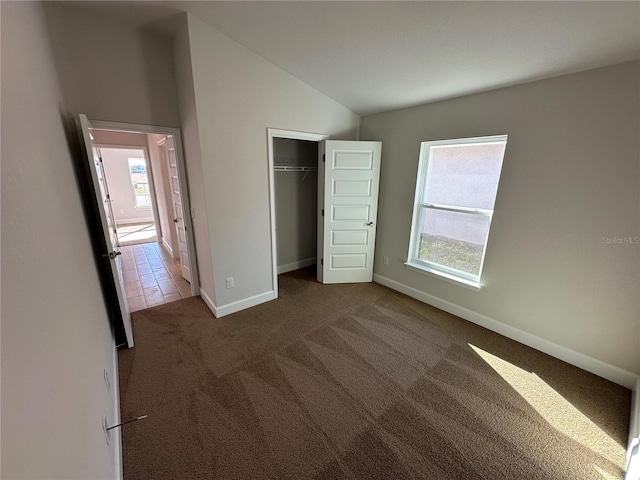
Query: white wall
<point x="121" y="191"/>
<point x="238" y="95"/>
<point x="112" y="71"/>
<point x="569" y="179"/>
<point x="56" y="338"/>
<point x="193" y="159"/>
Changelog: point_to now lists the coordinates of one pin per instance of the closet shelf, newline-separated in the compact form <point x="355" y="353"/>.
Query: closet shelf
<point x="288" y="168"/>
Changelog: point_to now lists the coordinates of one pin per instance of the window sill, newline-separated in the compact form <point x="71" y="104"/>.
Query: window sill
<point x="462" y="282"/>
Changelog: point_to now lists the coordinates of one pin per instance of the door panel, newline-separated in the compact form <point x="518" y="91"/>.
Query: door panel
<point x="349" y="261"/>
<point x="101" y="192"/>
<point x="349" y="237"/>
<point x="349" y="182"/>
<point x="351" y="188"/>
<point x="350" y="213"/>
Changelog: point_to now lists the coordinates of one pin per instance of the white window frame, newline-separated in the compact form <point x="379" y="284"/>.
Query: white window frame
<point x="133" y="183"/>
<point x="444" y="272"/>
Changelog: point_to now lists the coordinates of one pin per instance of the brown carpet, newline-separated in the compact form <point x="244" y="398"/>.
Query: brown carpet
<point x="356" y="381"/>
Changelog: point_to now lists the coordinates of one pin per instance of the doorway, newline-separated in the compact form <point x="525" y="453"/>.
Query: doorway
<point x="133" y="199"/>
<point x="293" y="186"/>
<point x="144" y="170"/>
<point x="347" y="178"/>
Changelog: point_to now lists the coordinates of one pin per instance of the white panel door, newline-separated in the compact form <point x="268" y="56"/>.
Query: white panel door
<point x="113" y="253"/>
<point x="178" y="216"/>
<point x="350" y="177"/>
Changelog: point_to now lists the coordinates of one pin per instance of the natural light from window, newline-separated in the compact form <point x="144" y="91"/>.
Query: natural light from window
<point x="563" y="416"/>
<point x="455" y="195"/>
<point x="140" y="181"/>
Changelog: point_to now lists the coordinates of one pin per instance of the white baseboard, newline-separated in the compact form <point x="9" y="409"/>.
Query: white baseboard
<point x="210" y="303"/>
<point x="167" y="247"/>
<point x="290" y="267"/>
<point x="585" y="362"/>
<point x="233" y="307"/>
<point x="633" y="450"/>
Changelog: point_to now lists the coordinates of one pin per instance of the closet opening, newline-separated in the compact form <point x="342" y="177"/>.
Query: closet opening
<point x="293" y="164"/>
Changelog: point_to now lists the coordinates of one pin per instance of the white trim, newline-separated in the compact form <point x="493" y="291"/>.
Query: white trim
<point x="208" y="301"/>
<point x="633" y="448"/>
<point x="580" y="360"/>
<point x="167" y="247"/>
<point x="234" y="307"/>
<point x="290" y="267"/>
<point x="460" y="281"/>
<point x="271" y="134"/>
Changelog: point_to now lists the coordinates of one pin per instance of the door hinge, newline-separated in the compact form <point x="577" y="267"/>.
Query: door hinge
<point x="111" y="255"/>
<point x="324" y="155"/>
<point x="322" y="261"/>
<point x="323" y="212"/>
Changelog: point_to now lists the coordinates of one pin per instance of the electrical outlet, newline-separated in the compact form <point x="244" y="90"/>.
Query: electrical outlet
<point x="230" y="283"/>
<point x="107" y="382"/>
<point x="385" y="260"/>
<point x="107" y="435"/>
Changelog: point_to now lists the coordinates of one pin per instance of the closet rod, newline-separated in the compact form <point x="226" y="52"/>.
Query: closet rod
<point x="285" y="168"/>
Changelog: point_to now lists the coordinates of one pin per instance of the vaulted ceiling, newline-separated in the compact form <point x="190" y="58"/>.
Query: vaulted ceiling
<point x="378" y="56"/>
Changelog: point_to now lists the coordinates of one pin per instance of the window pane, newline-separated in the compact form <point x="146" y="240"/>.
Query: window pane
<point x="453" y="239"/>
<point x="138" y="172"/>
<point x="464" y="175"/>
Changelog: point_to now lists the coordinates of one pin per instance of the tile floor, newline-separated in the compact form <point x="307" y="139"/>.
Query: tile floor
<point x="152" y="277"/>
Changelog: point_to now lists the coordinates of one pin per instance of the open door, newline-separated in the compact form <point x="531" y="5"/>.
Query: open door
<point x="112" y="254"/>
<point x="177" y="207"/>
<point x="349" y="174"/>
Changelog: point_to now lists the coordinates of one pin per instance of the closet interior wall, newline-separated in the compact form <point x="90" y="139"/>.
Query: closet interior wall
<point x="296" y="190"/>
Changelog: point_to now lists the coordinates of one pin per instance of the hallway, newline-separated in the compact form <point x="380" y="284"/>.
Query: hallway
<point x="152" y="277"/>
<point x="136" y="233"/>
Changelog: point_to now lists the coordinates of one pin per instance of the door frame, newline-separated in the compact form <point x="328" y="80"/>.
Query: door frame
<point x="273" y="133"/>
<point x="182" y="178"/>
<point x="152" y="187"/>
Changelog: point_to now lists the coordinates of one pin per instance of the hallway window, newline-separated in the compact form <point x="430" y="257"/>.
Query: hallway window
<point x="140" y="181"/>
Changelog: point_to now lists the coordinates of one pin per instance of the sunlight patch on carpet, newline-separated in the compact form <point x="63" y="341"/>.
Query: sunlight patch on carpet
<point x="560" y="414"/>
<point x="604" y="474"/>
